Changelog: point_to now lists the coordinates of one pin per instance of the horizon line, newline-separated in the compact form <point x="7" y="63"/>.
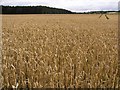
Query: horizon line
<point x="63" y="8"/>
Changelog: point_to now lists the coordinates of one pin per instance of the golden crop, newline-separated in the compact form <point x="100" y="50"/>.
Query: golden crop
<point x="60" y="51"/>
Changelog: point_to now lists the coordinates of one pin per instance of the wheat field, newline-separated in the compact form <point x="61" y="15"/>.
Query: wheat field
<point x="60" y="51"/>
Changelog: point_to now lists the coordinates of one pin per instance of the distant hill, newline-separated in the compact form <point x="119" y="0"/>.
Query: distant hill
<point x="33" y="10"/>
<point x="44" y="10"/>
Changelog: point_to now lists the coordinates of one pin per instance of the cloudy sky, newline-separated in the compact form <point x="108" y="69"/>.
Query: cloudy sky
<point x="72" y="5"/>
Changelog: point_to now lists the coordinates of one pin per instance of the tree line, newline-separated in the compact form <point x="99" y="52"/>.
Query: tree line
<point x="33" y="10"/>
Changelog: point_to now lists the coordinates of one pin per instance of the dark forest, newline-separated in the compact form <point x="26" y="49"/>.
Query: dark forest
<point x="33" y="10"/>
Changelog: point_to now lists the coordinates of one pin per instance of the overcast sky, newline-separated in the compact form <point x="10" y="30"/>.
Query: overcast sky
<point x="72" y="5"/>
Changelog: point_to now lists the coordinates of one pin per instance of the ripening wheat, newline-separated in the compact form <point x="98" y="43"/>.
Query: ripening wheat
<point x="60" y="51"/>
